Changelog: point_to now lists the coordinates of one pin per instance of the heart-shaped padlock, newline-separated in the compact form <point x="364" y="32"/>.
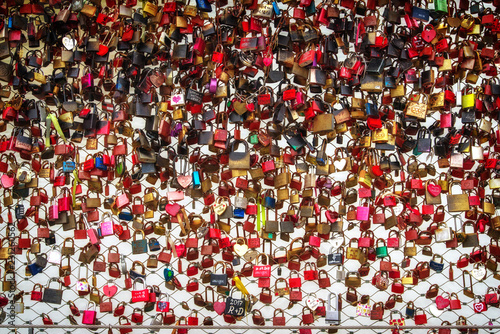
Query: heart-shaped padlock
<point x="168" y="274"/>
<point x="184" y="180"/>
<point x="434" y="189"/>
<point x="219" y="307"/>
<point x="110" y="289"/>
<point x="69" y="43"/>
<point x="219" y="206"/>
<point x="312" y="302"/>
<point x="7" y="181"/>
<point x="172" y="208"/>
<point x="240" y="250"/>
<point x="479" y="272"/>
<point x="442" y="302"/>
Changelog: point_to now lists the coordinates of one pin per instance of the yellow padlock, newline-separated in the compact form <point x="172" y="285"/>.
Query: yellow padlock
<point x="365" y="179"/>
<point x="468" y="100"/>
<point x="151" y="8"/>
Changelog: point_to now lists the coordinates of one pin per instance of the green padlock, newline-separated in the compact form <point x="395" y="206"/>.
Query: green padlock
<point x="253" y="139"/>
<point x="441" y="6"/>
<point x="381" y="251"/>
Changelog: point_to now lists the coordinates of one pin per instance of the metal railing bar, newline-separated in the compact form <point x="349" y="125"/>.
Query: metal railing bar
<point x="247" y="327"/>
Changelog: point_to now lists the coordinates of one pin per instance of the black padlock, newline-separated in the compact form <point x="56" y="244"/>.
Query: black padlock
<point x="51" y="240"/>
<point x="19" y="210"/>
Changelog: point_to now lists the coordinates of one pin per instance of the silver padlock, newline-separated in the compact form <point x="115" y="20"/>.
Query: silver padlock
<point x="19" y="307"/>
<point x="458" y="95"/>
<point x="157" y="321"/>
<point x="340" y="273"/>
<point x="333" y="310"/>
<point x="240" y="201"/>
<point x="54" y="255"/>
<point x="138" y="223"/>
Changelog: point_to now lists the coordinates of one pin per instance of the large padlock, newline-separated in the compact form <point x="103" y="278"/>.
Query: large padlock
<point x="333" y="310"/>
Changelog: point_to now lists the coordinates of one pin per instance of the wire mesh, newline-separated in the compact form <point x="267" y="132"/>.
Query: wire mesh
<point x="351" y="323"/>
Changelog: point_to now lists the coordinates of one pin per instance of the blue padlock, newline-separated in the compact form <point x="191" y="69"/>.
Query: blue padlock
<point x="204" y="6"/>
<point x="124" y="215"/>
<point x="371" y="109"/>
<point x="9" y="25"/>
<point x="276" y="9"/>
<point x="154" y="245"/>
<point x="99" y="232"/>
<point x="196" y="179"/>
<point x="269" y="202"/>
<point x="389" y="82"/>
<point x="69" y="166"/>
<point x="420" y="13"/>
<point x="238" y="213"/>
<point x="168" y="274"/>
<point x="34" y="269"/>
<point x="134" y="273"/>
<point x="99" y="164"/>
<point x="436" y="266"/>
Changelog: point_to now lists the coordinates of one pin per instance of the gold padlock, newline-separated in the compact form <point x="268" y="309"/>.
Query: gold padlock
<point x="178" y="114"/>
<point x="410" y="250"/>
<point x="152" y="261"/>
<point x="407" y="279"/>
<point x="190" y="10"/>
<point x="294" y="197"/>
<point x="380" y="135"/>
<point x="446" y="65"/>
<point x="399" y="91"/>
<point x="467" y="21"/>
<point x="283" y="194"/>
<point x="365" y="179"/>
<point x="494" y="183"/>
<point x="457" y="203"/>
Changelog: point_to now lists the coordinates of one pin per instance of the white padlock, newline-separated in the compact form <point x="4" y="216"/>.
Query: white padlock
<point x="54" y="255"/>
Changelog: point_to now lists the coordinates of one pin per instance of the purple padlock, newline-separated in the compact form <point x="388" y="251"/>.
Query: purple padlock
<point x="177" y="129"/>
<point x="212" y="88"/>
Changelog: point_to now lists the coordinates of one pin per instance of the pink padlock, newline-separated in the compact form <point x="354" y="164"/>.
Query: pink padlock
<point x="300" y="99"/>
<point x="89" y="315"/>
<point x="93" y="236"/>
<point x="53" y="212"/>
<point x="122" y="201"/>
<point x="87" y="79"/>
<point x="199" y="46"/>
<point x="363" y="213"/>
<point x="106" y="225"/>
